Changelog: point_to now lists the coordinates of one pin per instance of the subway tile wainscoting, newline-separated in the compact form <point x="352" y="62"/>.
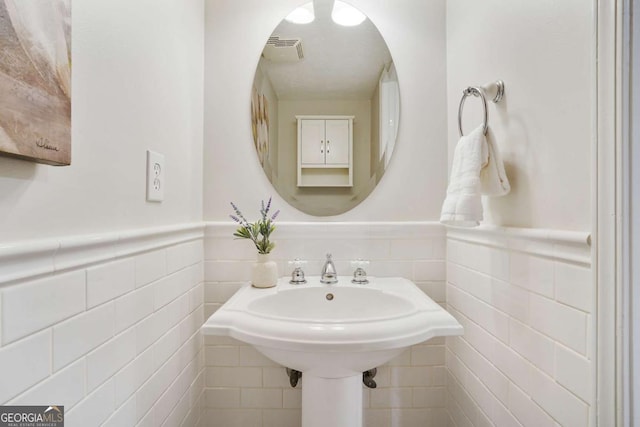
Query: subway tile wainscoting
<point x="106" y="325"/>
<point x="245" y="389"/>
<point x="525" y="299"/>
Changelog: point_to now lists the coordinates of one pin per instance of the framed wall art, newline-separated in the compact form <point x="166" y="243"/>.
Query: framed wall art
<point x="260" y="124"/>
<point x="35" y="80"/>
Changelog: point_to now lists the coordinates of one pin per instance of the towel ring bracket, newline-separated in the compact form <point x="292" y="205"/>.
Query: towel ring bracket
<point x="493" y="89"/>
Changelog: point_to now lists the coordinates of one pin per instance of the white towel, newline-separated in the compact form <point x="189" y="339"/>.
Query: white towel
<point x="493" y="178"/>
<point x="477" y="169"/>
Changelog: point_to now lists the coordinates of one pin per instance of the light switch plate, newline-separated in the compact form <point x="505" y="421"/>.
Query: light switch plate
<point x="155" y="176"/>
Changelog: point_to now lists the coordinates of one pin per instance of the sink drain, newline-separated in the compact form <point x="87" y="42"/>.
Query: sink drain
<point x="329" y="297"/>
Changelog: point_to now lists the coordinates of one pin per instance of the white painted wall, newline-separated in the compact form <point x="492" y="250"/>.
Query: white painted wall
<point x="544" y="52"/>
<point x="526" y="295"/>
<point x="137" y="84"/>
<point x="124" y="346"/>
<point x="416" y="179"/>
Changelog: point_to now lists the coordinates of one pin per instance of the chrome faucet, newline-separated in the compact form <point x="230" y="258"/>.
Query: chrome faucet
<point x="329" y="274"/>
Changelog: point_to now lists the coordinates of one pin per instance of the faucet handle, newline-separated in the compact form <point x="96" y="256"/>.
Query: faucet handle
<point x="359" y="275"/>
<point x="298" y="263"/>
<point x="359" y="263"/>
<point x="297" y="275"/>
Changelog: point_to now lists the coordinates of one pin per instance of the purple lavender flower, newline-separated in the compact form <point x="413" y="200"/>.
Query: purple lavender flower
<point x="259" y="231"/>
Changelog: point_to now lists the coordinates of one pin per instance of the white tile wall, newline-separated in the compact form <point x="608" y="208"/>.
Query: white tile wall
<point x="94" y="409"/>
<point x="110" y="280"/>
<point x="24" y="363"/>
<point x="67" y="385"/>
<point x="525" y="358"/>
<point x="133" y="307"/>
<point x="75" y="337"/>
<point x="39" y="304"/>
<point x="125" y="415"/>
<point x="107" y="359"/>
<point x="244" y="388"/>
<point x="114" y="340"/>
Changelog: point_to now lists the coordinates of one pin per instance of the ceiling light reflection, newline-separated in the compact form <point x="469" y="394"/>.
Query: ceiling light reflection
<point x="302" y="15"/>
<point x="346" y="15"/>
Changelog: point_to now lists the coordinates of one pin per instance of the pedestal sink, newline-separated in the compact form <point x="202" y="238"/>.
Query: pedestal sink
<point x="332" y="333"/>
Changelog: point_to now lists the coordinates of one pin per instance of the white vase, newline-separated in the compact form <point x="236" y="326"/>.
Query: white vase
<point x="265" y="272"/>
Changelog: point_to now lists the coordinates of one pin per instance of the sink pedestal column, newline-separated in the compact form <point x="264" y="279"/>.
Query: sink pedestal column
<point x="335" y="402"/>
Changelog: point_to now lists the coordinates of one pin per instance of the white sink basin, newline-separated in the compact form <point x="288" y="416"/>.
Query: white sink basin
<point x="386" y="314"/>
<point x="332" y="333"/>
<point x="338" y="304"/>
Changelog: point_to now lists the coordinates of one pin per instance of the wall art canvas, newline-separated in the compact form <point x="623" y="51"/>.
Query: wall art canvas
<point x="35" y="80"/>
<point x="260" y="124"/>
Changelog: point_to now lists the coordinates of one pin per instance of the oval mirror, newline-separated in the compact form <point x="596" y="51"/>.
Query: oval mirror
<point x="325" y="107"/>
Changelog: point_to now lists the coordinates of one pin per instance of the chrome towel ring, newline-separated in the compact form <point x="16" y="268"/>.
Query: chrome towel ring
<point x="496" y="89"/>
